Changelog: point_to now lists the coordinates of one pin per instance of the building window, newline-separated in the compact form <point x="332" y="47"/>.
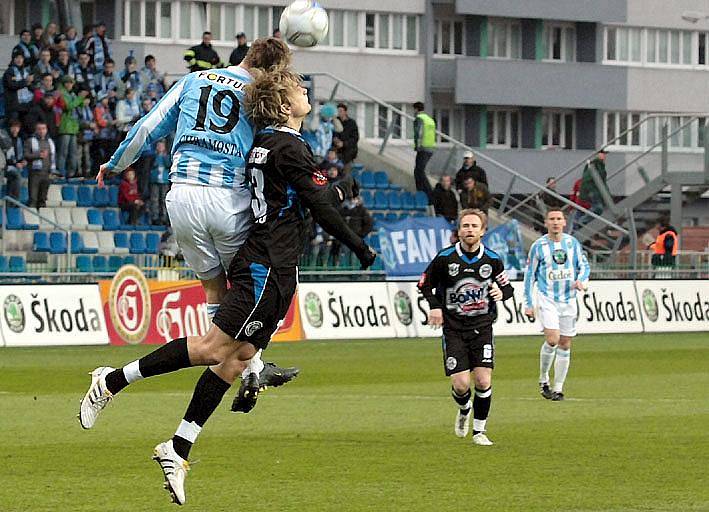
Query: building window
<point x="343" y="30"/>
<point x="449" y="37"/>
<point x="449" y="121"/>
<point x="621" y="131"/>
<point x="654" y="47"/>
<point x="504" y="40"/>
<point x="391" y="31"/>
<point x="503" y="128"/>
<point x="377" y="118"/>
<point x="560" y="41"/>
<point x="558" y="129"/>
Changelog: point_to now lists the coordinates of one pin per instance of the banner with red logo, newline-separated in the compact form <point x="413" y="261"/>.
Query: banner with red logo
<point x="138" y="310"/>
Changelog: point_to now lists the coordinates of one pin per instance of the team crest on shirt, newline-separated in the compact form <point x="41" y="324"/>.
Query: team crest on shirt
<point x="451" y="363"/>
<point x="453" y="269"/>
<point x="485" y="270"/>
<point x="319" y="178"/>
<point x="559" y="256"/>
<point x="252" y="327"/>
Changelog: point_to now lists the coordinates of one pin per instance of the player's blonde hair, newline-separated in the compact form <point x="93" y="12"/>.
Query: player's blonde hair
<point x="473" y="211"/>
<point x="268" y="93"/>
<point x="268" y="53"/>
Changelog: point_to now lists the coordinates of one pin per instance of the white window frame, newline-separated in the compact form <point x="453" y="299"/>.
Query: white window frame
<point x="329" y="41"/>
<point x="406" y="133"/>
<point x="646" y="34"/>
<point x="563" y="113"/>
<point x="650" y="133"/>
<point x="438" y="39"/>
<point x="388" y="49"/>
<point x="509" y="24"/>
<point x="549" y="27"/>
<point x="507" y="112"/>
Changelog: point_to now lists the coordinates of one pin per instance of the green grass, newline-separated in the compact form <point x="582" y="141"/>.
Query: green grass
<point x="369" y="426"/>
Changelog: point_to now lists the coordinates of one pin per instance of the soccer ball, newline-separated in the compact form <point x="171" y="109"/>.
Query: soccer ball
<point x="304" y="23"/>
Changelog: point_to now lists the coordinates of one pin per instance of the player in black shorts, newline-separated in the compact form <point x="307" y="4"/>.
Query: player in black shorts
<point x="263" y="274"/>
<point x="461" y="285"/>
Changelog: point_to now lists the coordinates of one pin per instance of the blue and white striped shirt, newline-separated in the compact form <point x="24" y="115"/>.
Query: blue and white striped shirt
<point x="555" y="267"/>
<point x="213" y="133"/>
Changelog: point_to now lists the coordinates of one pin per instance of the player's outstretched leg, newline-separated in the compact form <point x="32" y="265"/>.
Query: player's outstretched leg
<point x="253" y="382"/>
<point x="481" y="409"/>
<point x="462" y="419"/>
<point x="96" y="398"/>
<point x="174" y="469"/>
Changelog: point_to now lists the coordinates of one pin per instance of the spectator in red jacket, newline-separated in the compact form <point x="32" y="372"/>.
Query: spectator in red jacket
<point x="578" y="218"/>
<point x="129" y="199"/>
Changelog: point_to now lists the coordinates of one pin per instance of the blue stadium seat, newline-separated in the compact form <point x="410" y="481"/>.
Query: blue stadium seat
<point x="157" y="227"/>
<point x="381" y="201"/>
<point x="137" y="243"/>
<point x="95" y="217"/>
<point x="125" y="216"/>
<point x="4" y="267"/>
<point x="114" y="263"/>
<point x="357" y="174"/>
<point x="24" y="195"/>
<point x="421" y="200"/>
<point x="101" y="197"/>
<point x="378" y="217"/>
<point x="110" y="220"/>
<point x="68" y="193"/>
<point x="129" y="260"/>
<point x="15" y="219"/>
<point x="17" y="264"/>
<point x="121" y="240"/>
<point x="99" y="263"/>
<point x="367" y="198"/>
<point x="407" y="201"/>
<point x="152" y="243"/>
<point x="90" y="182"/>
<point x="83" y="263"/>
<point x="113" y="197"/>
<point x="381" y="179"/>
<point x="367" y="179"/>
<point x="394" y="200"/>
<point x="57" y="243"/>
<point x="40" y="242"/>
<point x="83" y="196"/>
<point x="391" y="217"/>
<point x="77" y="243"/>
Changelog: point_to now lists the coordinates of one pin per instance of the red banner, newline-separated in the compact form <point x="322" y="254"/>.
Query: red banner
<point x="154" y="312"/>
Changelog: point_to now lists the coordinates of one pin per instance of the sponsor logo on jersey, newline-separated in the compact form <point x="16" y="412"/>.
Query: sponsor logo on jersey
<point x="469" y="297"/>
<point x="453" y="269"/>
<point x="402" y="307"/>
<point x="258" y="155"/>
<point x="252" y="327"/>
<point x="14" y="313"/>
<point x="313" y="309"/>
<point x="221" y="79"/>
<point x="319" y="178"/>
<point x="559" y="256"/>
<point x="650" y="306"/>
<point x="485" y="270"/>
<point x="451" y="362"/>
<point x="560" y="275"/>
<point x="129" y="303"/>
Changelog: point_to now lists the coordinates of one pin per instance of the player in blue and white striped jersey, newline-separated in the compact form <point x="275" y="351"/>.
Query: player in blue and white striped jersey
<point x="559" y="268"/>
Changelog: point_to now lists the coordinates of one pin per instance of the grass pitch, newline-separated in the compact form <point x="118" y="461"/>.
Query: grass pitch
<point x="369" y="426"/>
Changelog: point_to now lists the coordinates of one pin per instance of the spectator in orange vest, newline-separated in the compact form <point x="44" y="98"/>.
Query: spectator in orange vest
<point x="665" y="246"/>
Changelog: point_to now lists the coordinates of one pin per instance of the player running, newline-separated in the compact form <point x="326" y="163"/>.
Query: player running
<point x="263" y="274"/>
<point x="461" y="285"/>
<point x="209" y="202"/>
<point x="559" y="268"/>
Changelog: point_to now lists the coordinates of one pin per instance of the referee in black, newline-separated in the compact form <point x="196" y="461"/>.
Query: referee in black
<point x="461" y="285"/>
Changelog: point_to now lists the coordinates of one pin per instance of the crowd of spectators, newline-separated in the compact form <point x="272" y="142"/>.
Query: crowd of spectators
<point x="67" y="107"/>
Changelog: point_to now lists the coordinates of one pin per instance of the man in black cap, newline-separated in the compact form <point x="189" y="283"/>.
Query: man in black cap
<point x="17" y="82"/>
<point x="240" y="51"/>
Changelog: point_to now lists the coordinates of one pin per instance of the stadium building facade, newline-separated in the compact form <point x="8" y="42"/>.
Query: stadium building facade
<point x="536" y="84"/>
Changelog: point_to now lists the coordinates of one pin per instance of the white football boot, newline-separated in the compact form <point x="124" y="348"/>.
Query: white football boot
<point x="462" y="423"/>
<point x="96" y="398"/>
<point x="481" y="439"/>
<point x="174" y="469"/>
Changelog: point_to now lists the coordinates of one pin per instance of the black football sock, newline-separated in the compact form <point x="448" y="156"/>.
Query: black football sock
<point x="481" y="408"/>
<point x="208" y="393"/>
<point x="168" y="358"/>
<point x="463" y="400"/>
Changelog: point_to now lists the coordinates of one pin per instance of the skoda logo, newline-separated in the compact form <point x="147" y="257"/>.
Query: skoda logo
<point x="14" y="313"/>
<point x="313" y="309"/>
<point x="402" y="307"/>
<point x="559" y="256"/>
<point x="650" y="305"/>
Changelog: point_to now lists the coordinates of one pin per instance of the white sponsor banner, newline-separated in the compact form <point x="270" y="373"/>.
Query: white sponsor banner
<point x="669" y="305"/>
<point x="346" y="310"/>
<point x="36" y="315"/>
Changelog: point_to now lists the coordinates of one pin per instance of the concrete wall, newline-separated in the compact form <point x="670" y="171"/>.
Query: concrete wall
<point x="603" y="11"/>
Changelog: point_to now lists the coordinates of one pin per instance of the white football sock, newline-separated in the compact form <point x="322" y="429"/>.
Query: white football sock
<point x="561" y="368"/>
<point x="546" y="357"/>
<point x="479" y="425"/>
<point x="188" y="431"/>
<point x="212" y="310"/>
<point x="255" y="365"/>
<point x="131" y="372"/>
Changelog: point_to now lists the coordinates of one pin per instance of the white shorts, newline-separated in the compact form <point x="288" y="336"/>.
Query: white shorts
<point x="210" y="224"/>
<point x="557" y="315"/>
